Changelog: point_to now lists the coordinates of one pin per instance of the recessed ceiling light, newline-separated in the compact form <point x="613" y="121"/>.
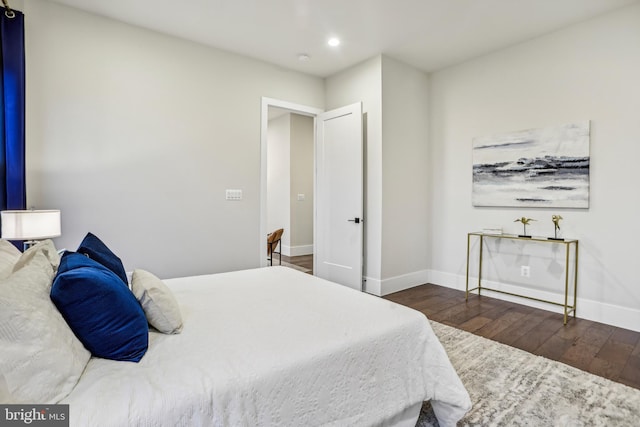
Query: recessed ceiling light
<point x="334" y="41"/>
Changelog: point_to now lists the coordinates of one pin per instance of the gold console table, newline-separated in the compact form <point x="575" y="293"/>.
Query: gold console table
<point x="568" y="309"/>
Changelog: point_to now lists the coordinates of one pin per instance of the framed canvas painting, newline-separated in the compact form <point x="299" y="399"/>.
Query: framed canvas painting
<point x="545" y="167"/>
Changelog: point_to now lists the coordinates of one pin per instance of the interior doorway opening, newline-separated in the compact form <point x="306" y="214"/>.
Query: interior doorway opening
<point x="287" y="176"/>
<point x="290" y="192"/>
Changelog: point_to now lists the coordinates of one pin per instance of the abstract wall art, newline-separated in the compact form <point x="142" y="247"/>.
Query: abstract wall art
<point x="545" y="167"/>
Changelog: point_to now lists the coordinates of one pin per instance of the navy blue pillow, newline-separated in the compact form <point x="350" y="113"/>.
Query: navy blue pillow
<point x="95" y="249"/>
<point x="102" y="311"/>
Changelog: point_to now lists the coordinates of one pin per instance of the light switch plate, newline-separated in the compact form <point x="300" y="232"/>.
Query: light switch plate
<point x="234" y="195"/>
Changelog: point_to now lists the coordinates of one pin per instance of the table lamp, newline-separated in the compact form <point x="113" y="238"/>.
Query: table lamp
<point x="30" y="225"/>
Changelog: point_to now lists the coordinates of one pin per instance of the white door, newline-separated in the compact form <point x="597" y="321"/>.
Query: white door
<point x="339" y="201"/>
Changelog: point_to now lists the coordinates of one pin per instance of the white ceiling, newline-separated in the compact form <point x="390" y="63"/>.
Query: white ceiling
<point x="428" y="34"/>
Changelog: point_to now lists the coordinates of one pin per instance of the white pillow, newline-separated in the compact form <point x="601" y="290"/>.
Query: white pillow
<point x="158" y="303"/>
<point x="9" y="255"/>
<point x="42" y="359"/>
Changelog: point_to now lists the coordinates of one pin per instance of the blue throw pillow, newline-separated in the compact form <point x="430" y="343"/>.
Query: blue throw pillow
<point x="95" y="249"/>
<point x="102" y="312"/>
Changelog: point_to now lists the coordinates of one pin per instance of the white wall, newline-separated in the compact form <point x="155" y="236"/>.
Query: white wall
<point x="405" y="135"/>
<point x="302" y="168"/>
<point x="587" y="71"/>
<point x="279" y="177"/>
<point x="135" y="136"/>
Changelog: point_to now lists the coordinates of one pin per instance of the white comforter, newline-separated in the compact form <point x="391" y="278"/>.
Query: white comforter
<point x="274" y="346"/>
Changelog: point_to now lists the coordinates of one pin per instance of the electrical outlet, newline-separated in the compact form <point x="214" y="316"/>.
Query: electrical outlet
<point x="525" y="271"/>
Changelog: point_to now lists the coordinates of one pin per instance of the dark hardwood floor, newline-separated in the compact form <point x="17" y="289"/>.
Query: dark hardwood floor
<point x="603" y="350"/>
<point x="305" y="261"/>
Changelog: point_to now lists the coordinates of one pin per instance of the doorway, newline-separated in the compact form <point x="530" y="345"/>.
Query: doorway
<point x="287" y="177"/>
<point x="338" y="185"/>
<point x="290" y="186"/>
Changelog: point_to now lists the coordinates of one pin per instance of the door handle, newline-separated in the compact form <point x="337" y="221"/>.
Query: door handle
<point x="356" y="220"/>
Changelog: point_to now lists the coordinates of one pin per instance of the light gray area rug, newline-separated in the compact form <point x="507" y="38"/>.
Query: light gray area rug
<point x="511" y="387"/>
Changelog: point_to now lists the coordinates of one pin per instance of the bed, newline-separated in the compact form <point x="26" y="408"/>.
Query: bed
<point x="274" y="346"/>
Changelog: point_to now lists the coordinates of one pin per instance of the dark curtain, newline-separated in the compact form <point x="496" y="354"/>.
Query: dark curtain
<point x="12" y="145"/>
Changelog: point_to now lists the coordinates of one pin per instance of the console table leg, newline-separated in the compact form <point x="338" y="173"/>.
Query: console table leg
<point x="480" y="266"/>
<point x="575" y="282"/>
<point x="466" y="296"/>
<point x="566" y="282"/>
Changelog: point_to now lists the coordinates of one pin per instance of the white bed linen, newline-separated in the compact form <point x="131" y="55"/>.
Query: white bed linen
<point x="274" y="346"/>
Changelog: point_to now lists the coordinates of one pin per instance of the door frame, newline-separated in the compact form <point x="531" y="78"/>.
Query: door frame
<point x="264" y="123"/>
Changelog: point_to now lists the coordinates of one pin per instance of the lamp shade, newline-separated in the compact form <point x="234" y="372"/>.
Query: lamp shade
<point x="30" y="225"/>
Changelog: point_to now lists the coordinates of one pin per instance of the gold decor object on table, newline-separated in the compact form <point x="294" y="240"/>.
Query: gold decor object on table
<point x="568" y="243"/>
<point x="525" y="221"/>
<point x="556" y="226"/>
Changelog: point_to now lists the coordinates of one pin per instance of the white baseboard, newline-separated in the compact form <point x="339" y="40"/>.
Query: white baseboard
<point x="394" y="284"/>
<point x="297" y="250"/>
<point x="372" y="286"/>
<point x="610" y="314"/>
